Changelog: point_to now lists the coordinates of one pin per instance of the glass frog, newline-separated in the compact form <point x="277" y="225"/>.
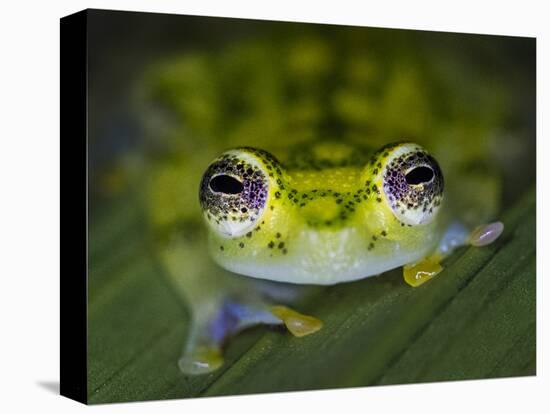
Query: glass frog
<point x="329" y="213"/>
<point x="321" y="198"/>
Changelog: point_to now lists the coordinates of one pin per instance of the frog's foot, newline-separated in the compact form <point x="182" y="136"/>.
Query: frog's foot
<point x="456" y="235"/>
<point x="201" y="359"/>
<point x="298" y="324"/>
<point x="418" y="273"/>
<point x="203" y="351"/>
<point x="485" y="234"/>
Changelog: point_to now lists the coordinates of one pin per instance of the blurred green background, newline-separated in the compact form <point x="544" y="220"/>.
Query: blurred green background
<point x="168" y="93"/>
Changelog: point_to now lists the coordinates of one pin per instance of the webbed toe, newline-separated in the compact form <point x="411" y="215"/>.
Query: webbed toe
<point x="201" y="360"/>
<point x="419" y="273"/>
<point x="486" y="234"/>
<point x="298" y="324"/>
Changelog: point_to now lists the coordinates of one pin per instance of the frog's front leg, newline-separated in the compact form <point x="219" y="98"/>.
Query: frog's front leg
<point x="418" y="273"/>
<point x="203" y="350"/>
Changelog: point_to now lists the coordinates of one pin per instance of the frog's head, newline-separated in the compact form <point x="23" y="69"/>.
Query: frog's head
<point x="326" y="222"/>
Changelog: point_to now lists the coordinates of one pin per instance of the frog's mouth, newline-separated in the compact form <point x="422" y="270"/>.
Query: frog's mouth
<point x="323" y="258"/>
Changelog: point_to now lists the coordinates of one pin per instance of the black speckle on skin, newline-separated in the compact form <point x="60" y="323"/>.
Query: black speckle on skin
<point x="371" y="246"/>
<point x="249" y="234"/>
<point x="221" y="248"/>
<point x="281" y="245"/>
<point x="241" y="245"/>
<point x="271" y="244"/>
<point x="278" y="235"/>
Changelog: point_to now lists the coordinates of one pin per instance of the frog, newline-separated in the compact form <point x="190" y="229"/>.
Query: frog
<point x="288" y="164"/>
<point x="330" y="216"/>
<point x="330" y="213"/>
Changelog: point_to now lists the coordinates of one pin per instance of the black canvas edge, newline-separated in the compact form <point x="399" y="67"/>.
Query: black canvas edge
<point x="73" y="206"/>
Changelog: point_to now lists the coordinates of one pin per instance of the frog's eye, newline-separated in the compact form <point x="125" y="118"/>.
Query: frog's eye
<point x="413" y="184"/>
<point x="233" y="192"/>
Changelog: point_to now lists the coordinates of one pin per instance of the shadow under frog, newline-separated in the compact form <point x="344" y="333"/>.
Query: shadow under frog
<point x="330" y="215"/>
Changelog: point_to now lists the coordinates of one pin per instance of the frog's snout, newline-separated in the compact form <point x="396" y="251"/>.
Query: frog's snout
<point x="322" y="211"/>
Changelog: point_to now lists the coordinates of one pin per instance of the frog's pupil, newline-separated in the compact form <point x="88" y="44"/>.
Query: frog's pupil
<point x="226" y="184"/>
<point x="419" y="175"/>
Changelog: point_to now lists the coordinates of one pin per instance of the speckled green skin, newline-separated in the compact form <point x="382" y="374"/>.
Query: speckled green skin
<point x="328" y="216"/>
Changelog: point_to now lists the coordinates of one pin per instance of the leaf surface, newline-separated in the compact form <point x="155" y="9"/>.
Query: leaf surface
<point x="475" y="320"/>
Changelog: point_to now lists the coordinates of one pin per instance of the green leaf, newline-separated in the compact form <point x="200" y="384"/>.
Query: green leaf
<point x="475" y="320"/>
